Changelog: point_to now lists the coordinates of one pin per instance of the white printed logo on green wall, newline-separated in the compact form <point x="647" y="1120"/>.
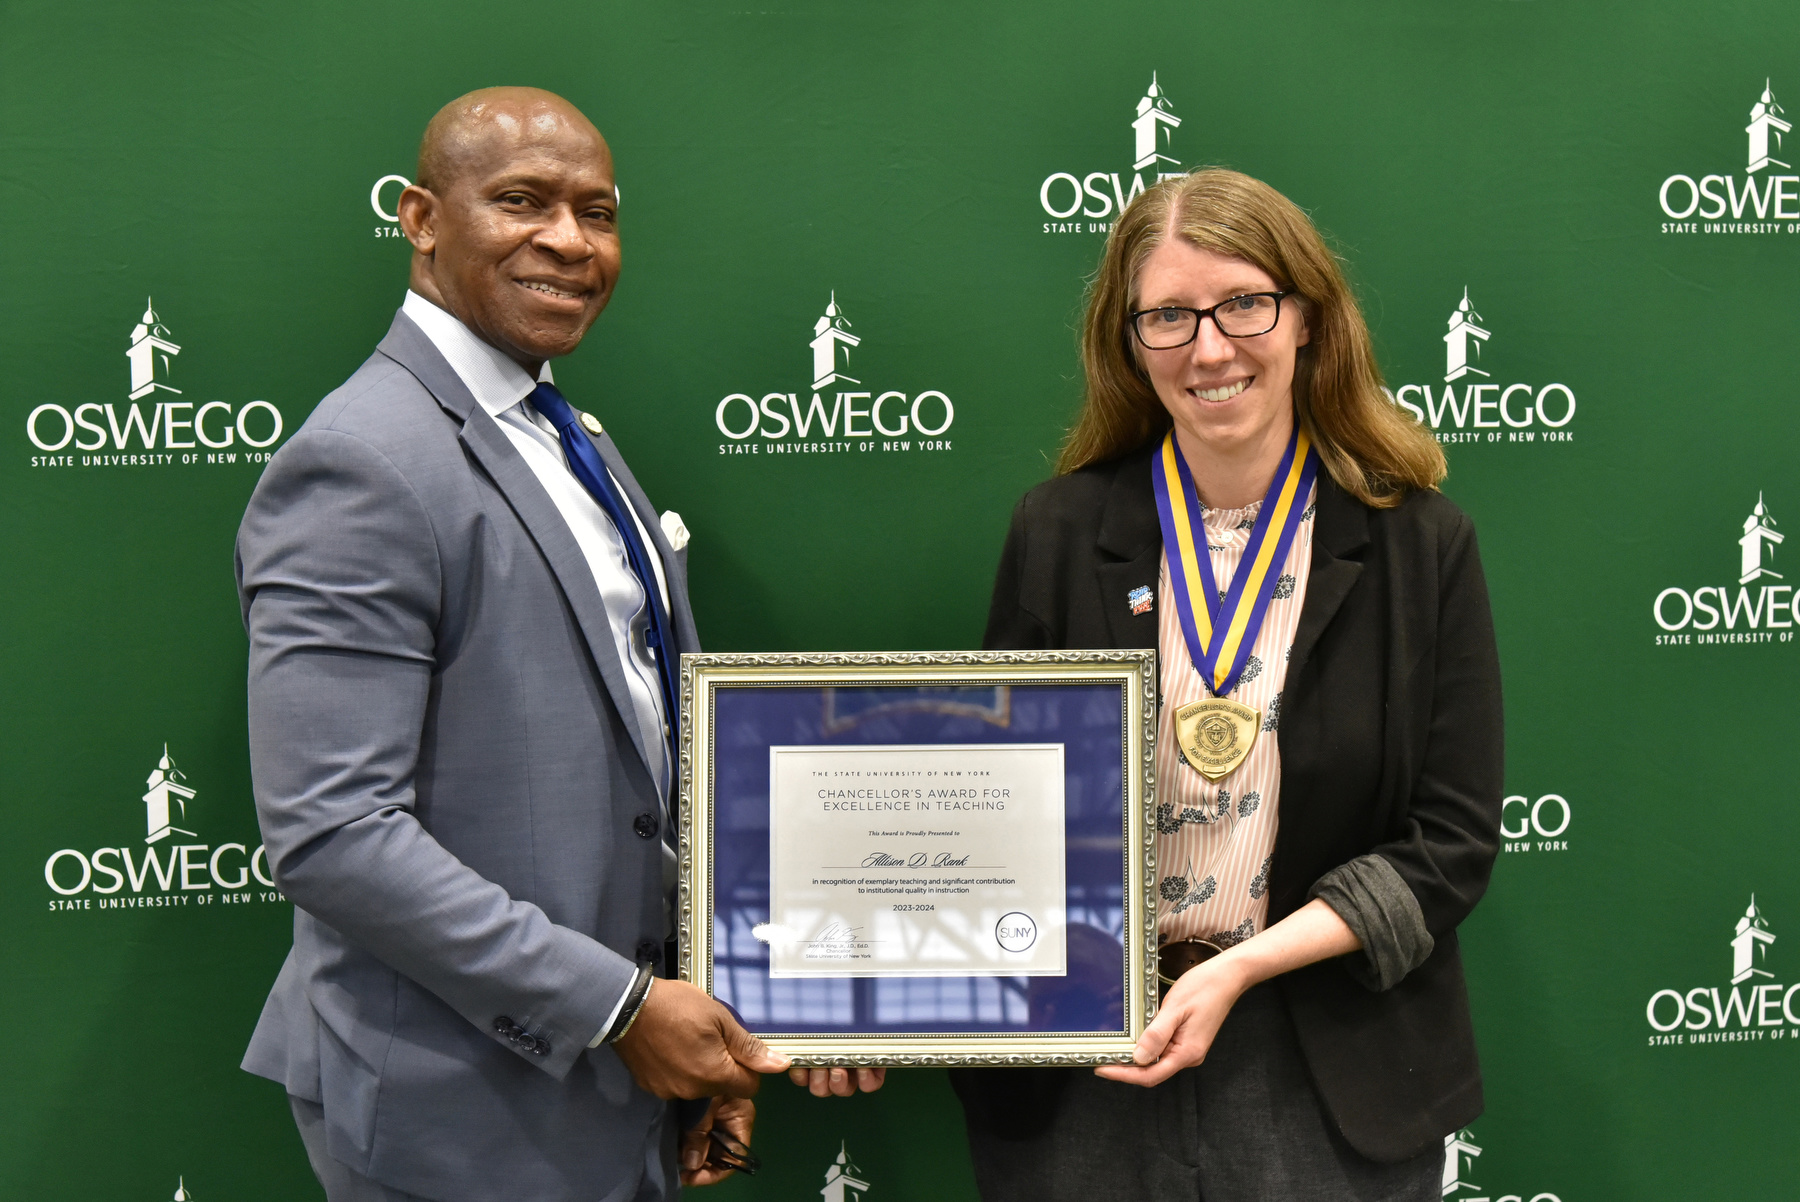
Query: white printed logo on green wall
<point x="1088" y="203"/>
<point x="1468" y="409"/>
<point x="1532" y="826"/>
<point x="145" y="430"/>
<point x="1760" y="612"/>
<point x="866" y="420"/>
<point x="1751" y="1007"/>
<point x="843" y="1180"/>
<point x="1460" y="1151"/>
<point x="1721" y="203"/>
<point x="171" y="870"/>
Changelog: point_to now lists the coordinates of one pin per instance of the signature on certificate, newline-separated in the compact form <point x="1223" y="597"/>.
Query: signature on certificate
<point x="836" y="932"/>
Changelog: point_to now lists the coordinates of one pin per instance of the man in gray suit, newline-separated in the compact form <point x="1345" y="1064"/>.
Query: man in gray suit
<point x="464" y="617"/>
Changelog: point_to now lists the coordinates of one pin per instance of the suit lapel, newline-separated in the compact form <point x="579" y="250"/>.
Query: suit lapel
<point x="408" y="346"/>
<point x="1339" y="535"/>
<point x="1130" y="543"/>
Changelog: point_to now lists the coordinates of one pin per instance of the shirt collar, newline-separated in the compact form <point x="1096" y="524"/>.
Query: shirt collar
<point x="496" y="382"/>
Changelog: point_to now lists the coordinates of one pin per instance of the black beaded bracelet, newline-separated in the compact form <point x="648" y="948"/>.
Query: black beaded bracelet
<point x="634" y="1001"/>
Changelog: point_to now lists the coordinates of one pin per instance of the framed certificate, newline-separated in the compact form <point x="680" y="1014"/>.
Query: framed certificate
<point x="923" y="857"/>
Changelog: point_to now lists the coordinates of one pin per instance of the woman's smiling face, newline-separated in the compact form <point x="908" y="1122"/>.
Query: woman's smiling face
<point x="1227" y="395"/>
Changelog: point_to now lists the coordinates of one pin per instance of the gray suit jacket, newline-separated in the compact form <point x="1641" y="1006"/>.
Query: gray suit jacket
<point x="449" y="797"/>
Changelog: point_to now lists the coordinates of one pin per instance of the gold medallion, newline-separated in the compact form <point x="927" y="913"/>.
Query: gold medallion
<point x="590" y="422"/>
<point x="1216" y="734"/>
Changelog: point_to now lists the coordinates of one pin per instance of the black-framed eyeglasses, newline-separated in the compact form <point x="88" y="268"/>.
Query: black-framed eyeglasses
<point x="1243" y="316"/>
<point x="724" y="1151"/>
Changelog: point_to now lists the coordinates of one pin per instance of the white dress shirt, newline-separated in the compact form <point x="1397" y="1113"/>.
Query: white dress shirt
<point x="500" y="386"/>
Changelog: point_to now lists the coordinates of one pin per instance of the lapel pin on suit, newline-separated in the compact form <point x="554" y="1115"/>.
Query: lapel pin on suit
<point x="590" y="423"/>
<point x="1141" y="599"/>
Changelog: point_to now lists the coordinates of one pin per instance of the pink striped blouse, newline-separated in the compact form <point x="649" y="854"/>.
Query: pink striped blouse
<point x="1216" y="839"/>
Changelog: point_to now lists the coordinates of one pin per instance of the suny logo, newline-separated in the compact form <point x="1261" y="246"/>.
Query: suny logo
<point x="1460" y="1151"/>
<point x="115" y="435"/>
<point x="1769" y="201"/>
<point x="781" y="423"/>
<point x="1757" y="1006"/>
<point x="1766" y="612"/>
<point x="1100" y="196"/>
<point x="1466" y="405"/>
<point x="176" y="874"/>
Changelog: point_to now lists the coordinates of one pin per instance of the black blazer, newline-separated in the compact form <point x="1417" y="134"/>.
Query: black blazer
<point x="1391" y="743"/>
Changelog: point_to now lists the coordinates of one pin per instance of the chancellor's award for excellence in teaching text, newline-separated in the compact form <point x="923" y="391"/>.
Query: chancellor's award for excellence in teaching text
<point x="933" y="857"/>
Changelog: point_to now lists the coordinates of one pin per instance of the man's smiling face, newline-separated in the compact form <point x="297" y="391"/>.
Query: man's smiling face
<point x="515" y="221"/>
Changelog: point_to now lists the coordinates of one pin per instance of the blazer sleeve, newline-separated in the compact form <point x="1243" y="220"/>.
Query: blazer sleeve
<point x="1011" y="626"/>
<point x="340" y="586"/>
<point x="1410" y="891"/>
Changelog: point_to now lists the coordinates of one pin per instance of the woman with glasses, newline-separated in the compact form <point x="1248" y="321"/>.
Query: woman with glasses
<point x="1239" y="493"/>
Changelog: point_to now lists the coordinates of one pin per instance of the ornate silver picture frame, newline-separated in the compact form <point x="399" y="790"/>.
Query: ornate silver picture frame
<point x="905" y="858"/>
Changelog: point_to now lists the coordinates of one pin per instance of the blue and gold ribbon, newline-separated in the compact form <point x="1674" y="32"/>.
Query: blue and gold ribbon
<point x="1220" y="632"/>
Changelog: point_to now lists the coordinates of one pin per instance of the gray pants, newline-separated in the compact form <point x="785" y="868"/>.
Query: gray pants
<point x="344" y="1184"/>
<point x="1245" y="1126"/>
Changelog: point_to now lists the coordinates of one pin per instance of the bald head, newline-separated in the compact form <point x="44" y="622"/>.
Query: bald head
<point x="513" y="220"/>
<point x="473" y="129"/>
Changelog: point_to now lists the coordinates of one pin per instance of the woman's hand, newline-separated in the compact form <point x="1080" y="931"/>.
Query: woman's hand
<point x="824" y="1082"/>
<point x="735" y="1117"/>
<point x="1192" y="1012"/>
<point x="1196" y="1005"/>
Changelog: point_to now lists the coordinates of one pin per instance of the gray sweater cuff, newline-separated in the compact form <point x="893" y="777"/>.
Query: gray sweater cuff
<point x="1376" y="904"/>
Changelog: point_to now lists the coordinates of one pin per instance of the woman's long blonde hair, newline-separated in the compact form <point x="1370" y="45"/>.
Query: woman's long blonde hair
<point x="1372" y="449"/>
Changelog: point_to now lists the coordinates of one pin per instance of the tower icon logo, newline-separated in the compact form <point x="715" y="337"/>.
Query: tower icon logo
<point x="832" y="338"/>
<point x="166" y="802"/>
<point x="843" y="1180"/>
<point x="1460" y="1151"/>
<point x="1471" y="407"/>
<point x="1154" y="123"/>
<point x="149" y="353"/>
<point x="1465" y="335"/>
<point x="1100" y="196"/>
<point x="1749" y="945"/>
<point x="1759" y="543"/>
<point x="1764" y="199"/>
<point x="1765" y="120"/>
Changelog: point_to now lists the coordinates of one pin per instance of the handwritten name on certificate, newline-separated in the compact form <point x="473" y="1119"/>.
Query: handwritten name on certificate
<point x="915" y="861"/>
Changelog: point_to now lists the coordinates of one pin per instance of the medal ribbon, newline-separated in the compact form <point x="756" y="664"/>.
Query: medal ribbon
<point x="1220" y="632"/>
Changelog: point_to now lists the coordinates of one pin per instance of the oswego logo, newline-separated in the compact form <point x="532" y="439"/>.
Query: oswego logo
<point x="861" y="421"/>
<point x="843" y="1180"/>
<point x="1752" y="1006"/>
<point x="388" y="186"/>
<point x="177" y="873"/>
<point x="1535" y="825"/>
<point x="1461" y="412"/>
<point x="1722" y="203"/>
<point x="1760" y="612"/>
<point x="1460" y="1151"/>
<point x="1100" y="196"/>
<point x="115" y="435"/>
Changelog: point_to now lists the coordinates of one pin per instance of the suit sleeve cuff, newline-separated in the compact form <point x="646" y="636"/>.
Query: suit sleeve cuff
<point x="1376" y="904"/>
<point x="613" y="1016"/>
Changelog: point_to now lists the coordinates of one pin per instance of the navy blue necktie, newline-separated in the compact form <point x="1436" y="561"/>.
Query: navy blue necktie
<point x="590" y="469"/>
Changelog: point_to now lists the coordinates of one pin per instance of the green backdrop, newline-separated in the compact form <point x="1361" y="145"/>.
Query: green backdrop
<point x="1586" y="175"/>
